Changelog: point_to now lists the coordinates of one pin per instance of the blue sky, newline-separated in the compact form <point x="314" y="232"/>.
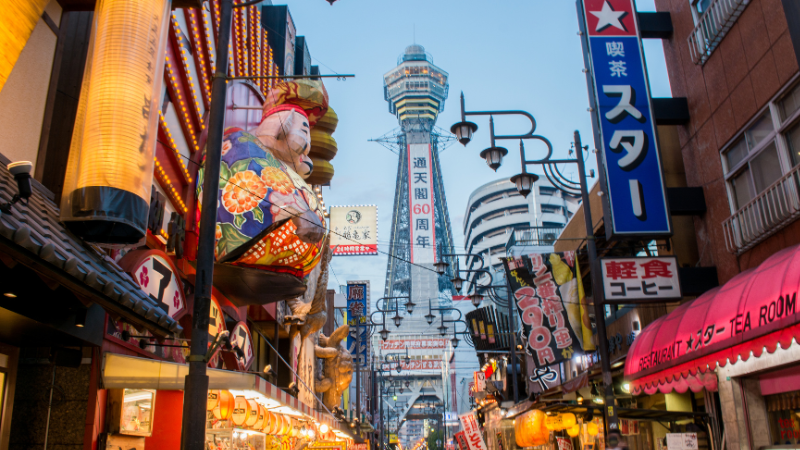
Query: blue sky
<point x="504" y="54"/>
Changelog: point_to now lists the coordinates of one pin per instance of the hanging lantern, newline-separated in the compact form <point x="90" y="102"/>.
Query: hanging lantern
<point x="273" y="423"/>
<point x="240" y="411"/>
<point x="282" y="425"/>
<point x="530" y="429"/>
<point x="568" y="421"/>
<point x="592" y="429"/>
<point x="267" y="422"/>
<point x="109" y="172"/>
<point x="213" y="400"/>
<point x="252" y="413"/>
<point x="225" y="406"/>
<point x="262" y="416"/>
<point x="573" y="430"/>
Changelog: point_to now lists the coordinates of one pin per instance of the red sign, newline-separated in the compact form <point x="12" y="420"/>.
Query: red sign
<point x="462" y="441"/>
<point x="417" y="344"/>
<point x="472" y="431"/>
<point x="240" y="337"/>
<point x="564" y="444"/>
<point x="610" y="17"/>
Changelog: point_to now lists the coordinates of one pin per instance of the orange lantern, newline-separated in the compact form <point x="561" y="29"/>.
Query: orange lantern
<point x="225" y="406"/>
<point x="530" y="429"/>
<point x="574" y="430"/>
<point x="213" y="400"/>
<point x="273" y="423"/>
<point x="267" y="420"/>
<point x="568" y="420"/>
<point x="240" y="411"/>
<point x="252" y="413"/>
<point x="262" y="416"/>
<point x="282" y="425"/>
<point x="553" y="423"/>
<point x="592" y="429"/>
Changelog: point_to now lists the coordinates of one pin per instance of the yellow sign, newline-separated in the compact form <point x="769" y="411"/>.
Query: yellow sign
<point x="392" y="438"/>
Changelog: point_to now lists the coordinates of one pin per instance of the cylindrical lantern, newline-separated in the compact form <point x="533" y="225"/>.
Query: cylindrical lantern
<point x="252" y="413"/>
<point x="270" y="427"/>
<point x="267" y="419"/>
<point x="213" y="400"/>
<point x="240" y="411"/>
<point x="568" y="420"/>
<point x="553" y="423"/>
<point x="227" y="404"/>
<point x="592" y="429"/>
<point x="281" y="425"/>
<point x="109" y="172"/>
<point x="530" y="430"/>
<point x="262" y="416"/>
<point x="574" y="430"/>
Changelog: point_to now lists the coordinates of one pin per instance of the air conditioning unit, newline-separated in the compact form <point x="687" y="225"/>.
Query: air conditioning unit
<point x="550" y="237"/>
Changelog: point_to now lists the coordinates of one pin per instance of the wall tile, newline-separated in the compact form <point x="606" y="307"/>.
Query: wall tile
<point x="743" y="102"/>
<point x="693" y="177"/>
<point x="754" y="33"/>
<point x="774" y="19"/>
<point x="785" y="58"/>
<point x="707" y="154"/>
<point x="733" y="57"/>
<point x="724" y="124"/>
<point x="716" y="85"/>
<point x="765" y="77"/>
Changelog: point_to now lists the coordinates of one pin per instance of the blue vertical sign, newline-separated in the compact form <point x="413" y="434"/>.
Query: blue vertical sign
<point x="635" y="187"/>
<point x="357" y="298"/>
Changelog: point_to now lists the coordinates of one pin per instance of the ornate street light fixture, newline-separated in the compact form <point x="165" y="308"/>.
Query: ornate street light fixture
<point x="524" y="182"/>
<point x="440" y="266"/>
<point x="476" y="299"/>
<point x="458" y="282"/>
<point x="463" y="130"/>
<point x="410" y="306"/>
<point x="454" y="341"/>
<point x="494" y="156"/>
<point x="384" y="333"/>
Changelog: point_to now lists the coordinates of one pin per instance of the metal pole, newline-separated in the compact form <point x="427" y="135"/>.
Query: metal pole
<point x="193" y="431"/>
<point x="513" y="346"/>
<point x="380" y="444"/>
<point x="609" y="413"/>
<point x="358" y="372"/>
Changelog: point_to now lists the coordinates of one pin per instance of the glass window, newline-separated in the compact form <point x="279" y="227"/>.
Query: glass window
<point x="741" y="189"/>
<point x="793" y="138"/>
<point x="702" y="5"/>
<point x="790" y="103"/>
<point x="784" y="418"/>
<point x="766" y="168"/>
<point x="759" y="131"/>
<point x="736" y="154"/>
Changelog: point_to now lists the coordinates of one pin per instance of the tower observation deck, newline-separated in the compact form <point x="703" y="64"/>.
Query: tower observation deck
<point x="415" y="88"/>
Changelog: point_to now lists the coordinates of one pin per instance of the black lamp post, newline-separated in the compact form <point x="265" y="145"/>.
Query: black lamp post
<point x="524" y="184"/>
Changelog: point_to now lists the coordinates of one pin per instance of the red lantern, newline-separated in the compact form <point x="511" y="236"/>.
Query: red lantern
<point x="225" y="406"/>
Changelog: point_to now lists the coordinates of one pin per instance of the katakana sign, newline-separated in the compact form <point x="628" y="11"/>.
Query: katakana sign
<point x="634" y="184"/>
<point x="354" y="230"/>
<point x="422" y="231"/>
<point x="414" y="344"/>
<point x="543" y="286"/>
<point x="414" y="364"/>
<point x="472" y="431"/>
<point x="646" y="278"/>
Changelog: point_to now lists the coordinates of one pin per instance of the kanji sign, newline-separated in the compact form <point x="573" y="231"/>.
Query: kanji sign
<point x="645" y="278"/>
<point x="472" y="431"/>
<point x="354" y="230"/>
<point x="414" y="344"/>
<point x="422" y="230"/>
<point x="156" y="275"/>
<point x="635" y="186"/>
<point x="541" y="283"/>
<point x="357" y="312"/>
<point x="479" y="380"/>
<point x="462" y="441"/>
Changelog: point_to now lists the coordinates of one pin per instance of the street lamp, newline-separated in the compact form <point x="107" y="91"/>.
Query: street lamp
<point x="440" y="266"/>
<point x="463" y="130"/>
<point x="476" y="299"/>
<point x="494" y="156"/>
<point x="458" y="282"/>
<point x="454" y="341"/>
<point x="397" y="320"/>
<point x="410" y="306"/>
<point x="524" y="181"/>
<point x="384" y="333"/>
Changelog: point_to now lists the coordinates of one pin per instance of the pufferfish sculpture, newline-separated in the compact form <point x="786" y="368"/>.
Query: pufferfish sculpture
<point x="268" y="218"/>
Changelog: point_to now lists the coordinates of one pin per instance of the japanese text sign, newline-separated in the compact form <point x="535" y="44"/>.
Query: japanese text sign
<point x="354" y="230"/>
<point x="357" y="302"/>
<point x="682" y="441"/>
<point x="472" y="432"/>
<point x="462" y="441"/>
<point x="647" y="278"/>
<point x="422" y="230"/>
<point x="479" y="380"/>
<point x="635" y="187"/>
<point x="541" y="283"/>
<point x="414" y="344"/>
<point x="415" y="364"/>
<point x="564" y="444"/>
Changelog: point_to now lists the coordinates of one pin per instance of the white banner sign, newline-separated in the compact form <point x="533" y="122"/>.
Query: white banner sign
<point x="472" y="432"/>
<point x="682" y="441"/>
<point x="645" y="278"/>
<point x="420" y="193"/>
<point x="354" y="230"/>
<point x="415" y="344"/>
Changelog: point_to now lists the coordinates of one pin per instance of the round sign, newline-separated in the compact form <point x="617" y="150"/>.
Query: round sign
<point x="241" y="337"/>
<point x="353" y="217"/>
<point x="158" y="278"/>
<point x="240" y="411"/>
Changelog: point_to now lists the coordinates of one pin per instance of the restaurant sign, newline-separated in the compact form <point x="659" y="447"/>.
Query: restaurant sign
<point x="472" y="431"/>
<point x="645" y="278"/>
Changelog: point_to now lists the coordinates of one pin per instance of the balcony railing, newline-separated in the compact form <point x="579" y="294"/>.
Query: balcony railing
<point x="713" y="26"/>
<point x="765" y="215"/>
<point x="543" y="236"/>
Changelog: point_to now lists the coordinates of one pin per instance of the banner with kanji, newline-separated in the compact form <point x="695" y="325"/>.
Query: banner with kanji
<point x="549" y="296"/>
<point x="357" y="311"/>
<point x="472" y="431"/>
<point x="461" y="439"/>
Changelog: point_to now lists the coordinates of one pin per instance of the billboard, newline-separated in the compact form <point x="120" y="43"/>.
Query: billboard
<point x="549" y="296"/>
<point x="414" y="344"/>
<point x="422" y="232"/>
<point x="354" y="230"/>
<point x="357" y="312"/>
<point x="637" y="200"/>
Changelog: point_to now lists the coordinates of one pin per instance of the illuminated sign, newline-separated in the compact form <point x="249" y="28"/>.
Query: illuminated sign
<point x="647" y="278"/>
<point x="354" y="230"/>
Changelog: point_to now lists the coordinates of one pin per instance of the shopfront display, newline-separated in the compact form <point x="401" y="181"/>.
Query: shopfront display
<point x="131" y="411"/>
<point x="235" y="439"/>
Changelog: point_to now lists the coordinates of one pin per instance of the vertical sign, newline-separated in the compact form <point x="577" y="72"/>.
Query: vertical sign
<point x="635" y="186"/>
<point x="472" y="431"/>
<point x="420" y="204"/>
<point x="357" y="301"/>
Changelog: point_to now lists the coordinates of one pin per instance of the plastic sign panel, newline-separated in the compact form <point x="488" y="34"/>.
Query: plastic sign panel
<point x="414" y="344"/>
<point x="472" y="431"/>
<point x="422" y="232"/>
<point x="357" y="312"/>
<point x="354" y="230"/>
<point x="479" y="380"/>
<point x="156" y="275"/>
<point x="414" y="364"/>
<point x="635" y="186"/>
<point x="647" y="278"/>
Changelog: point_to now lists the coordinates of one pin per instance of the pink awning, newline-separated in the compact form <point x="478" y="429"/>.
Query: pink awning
<point x="755" y="311"/>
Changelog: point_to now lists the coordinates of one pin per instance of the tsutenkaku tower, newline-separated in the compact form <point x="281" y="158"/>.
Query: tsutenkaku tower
<point x="416" y="90"/>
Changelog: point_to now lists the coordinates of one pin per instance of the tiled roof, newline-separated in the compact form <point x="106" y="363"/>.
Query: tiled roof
<point x="35" y="232"/>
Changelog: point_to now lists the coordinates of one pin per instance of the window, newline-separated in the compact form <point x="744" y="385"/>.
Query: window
<point x="551" y="209"/>
<point x="699" y="8"/>
<point x="543" y="190"/>
<point x="552" y="225"/>
<point x="523" y="210"/>
<point x="764" y="152"/>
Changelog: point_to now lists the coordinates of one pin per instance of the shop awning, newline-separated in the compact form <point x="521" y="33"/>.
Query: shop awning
<point x="655" y="415"/>
<point x="756" y="311"/>
<point x="130" y="372"/>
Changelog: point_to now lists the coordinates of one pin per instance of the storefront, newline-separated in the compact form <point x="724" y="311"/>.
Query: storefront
<point x="737" y="343"/>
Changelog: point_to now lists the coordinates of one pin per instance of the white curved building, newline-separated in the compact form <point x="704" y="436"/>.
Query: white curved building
<point x="496" y="210"/>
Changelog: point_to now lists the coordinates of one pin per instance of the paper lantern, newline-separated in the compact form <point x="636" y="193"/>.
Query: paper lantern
<point x="109" y="172"/>
<point x="592" y="429"/>
<point x="271" y="425"/>
<point x="20" y="18"/>
<point x="213" y="400"/>
<point x="267" y="420"/>
<point x="573" y="430"/>
<point x="568" y="420"/>
<point x="252" y="413"/>
<point x="240" y="411"/>
<point x="262" y="417"/>
<point x="530" y="430"/>
<point x="225" y="406"/>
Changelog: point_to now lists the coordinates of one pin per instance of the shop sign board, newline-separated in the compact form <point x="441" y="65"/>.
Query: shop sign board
<point x="422" y="232"/>
<point x="415" y="364"/>
<point x="635" y="190"/>
<point x="540" y="379"/>
<point x="564" y="444"/>
<point x="392" y="438"/>
<point x="546" y="290"/>
<point x="414" y="344"/>
<point x="450" y="418"/>
<point x="480" y="381"/>
<point x="629" y="427"/>
<point x="354" y="230"/>
<point x="461" y="439"/>
<point x="240" y="336"/>
<point x="682" y="441"/>
<point x="641" y="278"/>
<point x="472" y="431"/>
<point x="157" y="276"/>
<point x="357" y="311"/>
